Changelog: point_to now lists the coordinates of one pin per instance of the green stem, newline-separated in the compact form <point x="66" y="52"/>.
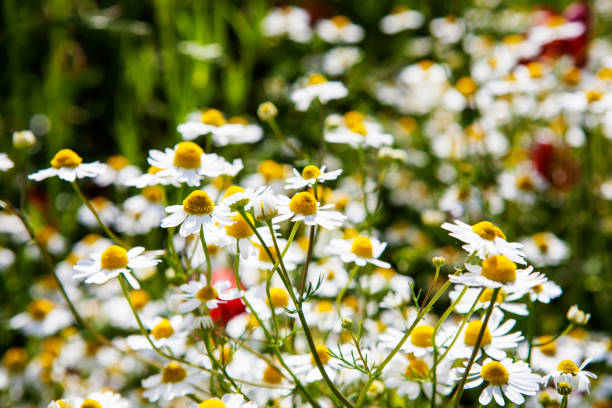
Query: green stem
<point x="281" y="136"/>
<point x="308" y="259"/>
<point x="433" y="283"/>
<point x="207" y="256"/>
<point x="564" y="402"/>
<point x="344" y="289"/>
<point x="555" y="337"/>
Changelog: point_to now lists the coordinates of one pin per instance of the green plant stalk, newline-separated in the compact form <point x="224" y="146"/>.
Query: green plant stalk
<point x="433" y="283"/>
<point x="556" y="336"/>
<point x="220" y="366"/>
<point x="308" y="259"/>
<point x="564" y="402"/>
<point x="344" y="289"/>
<point x="206" y="255"/>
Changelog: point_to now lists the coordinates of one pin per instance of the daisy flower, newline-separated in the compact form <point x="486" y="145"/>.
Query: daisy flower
<point x="198" y="211"/>
<point x="150" y="178"/>
<point x="113" y="261"/>
<point x="106" y="399"/>
<point x="506" y="302"/>
<point x="567" y="370"/>
<point x="171" y="333"/>
<point x="305" y="367"/>
<point x="545" y="249"/>
<point x="262" y="306"/>
<point x="420" y="341"/>
<point x="339" y="60"/>
<point x="42" y="318"/>
<point x="117" y="170"/>
<point x="237" y="197"/>
<point x="339" y="29"/>
<point x="361" y="250"/>
<point x="400" y="19"/>
<point x="69" y="166"/>
<point x="318" y="87"/>
<point x="486" y="239"/>
<point x="504" y="378"/>
<point x="310" y="175"/>
<point x="333" y="274"/>
<point x="288" y="20"/>
<point x="198" y="292"/>
<point x="174" y="381"/>
<point x="354" y="130"/>
<point x="545" y="292"/>
<point x="5" y="162"/>
<point x="209" y="121"/>
<point x="227" y="401"/>
<point x="304" y="207"/>
<point x="499" y="272"/>
<point x="409" y="375"/>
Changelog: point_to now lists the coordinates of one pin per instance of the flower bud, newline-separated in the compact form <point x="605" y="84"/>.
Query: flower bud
<point x="267" y="111"/>
<point x="347" y="324"/>
<point x="564" y="388"/>
<point x="264" y="207"/>
<point x="577" y="316"/>
<point x="375" y="389"/>
<point x="23" y="139"/>
<point x="438" y="261"/>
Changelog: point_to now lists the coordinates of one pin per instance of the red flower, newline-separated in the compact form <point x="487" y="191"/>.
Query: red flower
<point x="222" y="314"/>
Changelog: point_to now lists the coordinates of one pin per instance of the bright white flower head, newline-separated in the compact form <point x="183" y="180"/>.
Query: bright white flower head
<point x="196" y="293"/>
<point x="5" y="162"/>
<point x="361" y="250"/>
<point x="69" y="166"/>
<point x="264" y="206"/>
<point x="224" y="132"/>
<point x="113" y="261"/>
<point x="198" y="210"/>
<point x="118" y="171"/>
<point x="106" y="399"/>
<point x="165" y="333"/>
<point x="42" y="318"/>
<point x="339" y="60"/>
<point x="339" y="29"/>
<point x="545" y="292"/>
<point x="504" y="378"/>
<point x="567" y="370"/>
<point x="485" y="239"/>
<point x="447" y="29"/>
<point x="290" y="20"/>
<point x="310" y="175"/>
<point x="227" y="401"/>
<point x="304" y="207"/>
<point x="544" y="249"/>
<point x="355" y="130"/>
<point x="320" y="88"/>
<point x="505" y="302"/>
<point x="174" y="381"/>
<point x="577" y="316"/>
<point x="400" y="19"/>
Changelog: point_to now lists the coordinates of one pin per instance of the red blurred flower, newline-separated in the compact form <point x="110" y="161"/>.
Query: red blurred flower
<point x="229" y="309"/>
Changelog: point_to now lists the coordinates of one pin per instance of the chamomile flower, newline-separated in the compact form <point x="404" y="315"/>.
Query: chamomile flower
<point x="113" y="261"/>
<point x="310" y="175"/>
<point x="568" y="370"/>
<point x="305" y="367"/>
<point x="174" y="381"/>
<point x="304" y="207"/>
<point x="196" y="293"/>
<point x="209" y="121"/>
<point x="356" y="131"/>
<point x="5" y="162"/>
<point x="339" y="60"/>
<point x="317" y="86"/>
<point x="506" y="302"/>
<point x="339" y="29"/>
<point x="400" y="19"/>
<point x="503" y="378"/>
<point x="497" y="271"/>
<point x="227" y="401"/>
<point x="545" y="292"/>
<point x="197" y="211"/>
<point x="333" y="275"/>
<point x="486" y="239"/>
<point x="117" y="170"/>
<point x="288" y="20"/>
<point x="236" y="197"/>
<point x="419" y="343"/>
<point x="545" y="249"/>
<point x="361" y="250"/>
<point x="105" y="399"/>
<point x="69" y="166"/>
<point x="42" y="318"/>
<point x="165" y="333"/>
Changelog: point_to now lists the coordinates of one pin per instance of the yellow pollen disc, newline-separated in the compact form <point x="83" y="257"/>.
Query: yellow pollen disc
<point x="188" y="155"/>
<point x="498" y="268"/>
<point x="323" y="353"/>
<point x="263" y="254"/>
<point x="139" y="298"/>
<point x="44" y="234"/>
<point x="62" y="404"/>
<point x="324" y="306"/>
<point x="488" y="230"/>
<point x="488" y="294"/>
<point x="475" y="132"/>
<point x="525" y="183"/>
<point x="417" y="368"/>
<point x="605" y="74"/>
<point x="466" y="86"/>
<point x="311" y="172"/>
<point x="207" y="293"/>
<point x="153" y="194"/>
<point x="549" y="349"/>
<point x="240" y="228"/>
<point x="555" y="21"/>
<point x="212" y="249"/>
<point x="15" y="359"/>
<point x="593" y="96"/>
<point x="272" y="376"/>
<point x="303" y="203"/>
<point x="352" y="117"/>
<point x="350" y="301"/>
<point x="495" y="373"/>
<point x="536" y="69"/>
<point x="162" y="330"/>
<point x="118" y="162"/>
<point x="237" y="120"/>
<point x="567" y="367"/>
<point x="153" y="170"/>
<point x="89" y="403"/>
<point x="362" y="247"/>
<point x="340" y="21"/>
<point x="114" y="257"/>
<point x="253" y="322"/>
<point x="330" y="275"/>
<point x="213" y="117"/>
<point x="399" y="9"/>
<point x="66" y="158"/>
<point x="471" y="334"/>
<point x="99" y="202"/>
<point x="513" y="39"/>
<point x="358" y="127"/>
<point x="426" y="64"/>
<point x="388" y="273"/>
<point x="578" y="333"/>
<point x="572" y="77"/>
<point x="316" y="79"/>
<point x="279" y="297"/>
<point x="198" y="203"/>
<point x="231" y="190"/>
<point x="541" y="241"/>
<point x="271" y="170"/>
<point x="53" y="345"/>
<point x="91" y="239"/>
<point x="40" y="308"/>
<point x="212" y="403"/>
<point x="173" y="373"/>
<point x="350" y="233"/>
<point x="422" y="336"/>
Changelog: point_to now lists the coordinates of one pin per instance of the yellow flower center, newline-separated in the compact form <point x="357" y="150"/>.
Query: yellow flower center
<point x="362" y="247"/>
<point x="62" y="404"/>
<point x="279" y="297"/>
<point x="475" y="132"/>
<point x="89" y="403"/>
<point x="417" y="368"/>
<point x="352" y="117"/>
<point x="213" y="117"/>
<point x="118" y="162"/>
<point x="323" y="353"/>
<point x="162" y="330"/>
<point x="324" y="306"/>
<point x="212" y="403"/>
<point x="605" y="74"/>
<point x="495" y="373"/>
<point x="139" y="298"/>
<point x="240" y="228"/>
<point x="513" y="39"/>
<point x="358" y="127"/>
<point x="207" y="293"/>
<point x="316" y="79"/>
<point x="40" y="308"/>
<point x="555" y="21"/>
<point x="66" y="158"/>
<point x="426" y="64"/>
<point x="188" y="155"/>
<point x="350" y="233"/>
<point x="471" y="334"/>
<point x="466" y="86"/>
<point x="272" y="376"/>
<point x="311" y="172"/>
<point x="91" y="239"/>
<point x="303" y="203"/>
<point x="231" y="190"/>
<point x="225" y="353"/>
<point x="422" y="336"/>
<point x="498" y="268"/>
<point x="153" y="170"/>
<point x="271" y="170"/>
<point x="488" y="294"/>
<point x="15" y="359"/>
<point x="525" y="183"/>
<point x="536" y="69"/>
<point x="114" y="257"/>
<point x="567" y="367"/>
<point x="541" y="241"/>
<point x="488" y="230"/>
<point x="593" y="96"/>
<point x="44" y="234"/>
<point x="198" y="202"/>
<point x="550" y="348"/>
<point x="153" y="194"/>
<point x="340" y="21"/>
<point x="237" y="120"/>
<point x="173" y="373"/>
<point x="408" y="124"/>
